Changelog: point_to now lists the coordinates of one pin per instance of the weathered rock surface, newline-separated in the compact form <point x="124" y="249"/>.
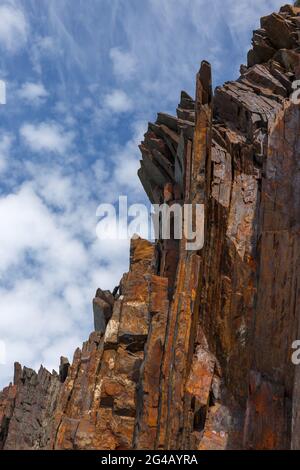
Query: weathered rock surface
<point x="194" y="349"/>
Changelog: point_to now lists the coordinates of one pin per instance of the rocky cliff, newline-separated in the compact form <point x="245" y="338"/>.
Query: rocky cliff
<point x="194" y="349"/>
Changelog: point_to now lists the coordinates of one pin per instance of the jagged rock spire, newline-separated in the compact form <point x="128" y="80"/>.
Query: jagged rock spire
<point x="195" y="350"/>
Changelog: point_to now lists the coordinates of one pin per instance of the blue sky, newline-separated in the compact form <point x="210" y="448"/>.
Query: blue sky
<point x="83" y="79"/>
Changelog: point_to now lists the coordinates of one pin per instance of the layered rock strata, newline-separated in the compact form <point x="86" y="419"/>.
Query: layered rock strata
<point x="193" y="351"/>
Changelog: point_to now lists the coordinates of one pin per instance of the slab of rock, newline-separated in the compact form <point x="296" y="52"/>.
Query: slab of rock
<point x="103" y="304"/>
<point x="278" y="31"/>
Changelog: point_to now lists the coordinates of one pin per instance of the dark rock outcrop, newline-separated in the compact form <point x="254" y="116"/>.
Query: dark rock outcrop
<point x="194" y="349"/>
<point x="102" y="306"/>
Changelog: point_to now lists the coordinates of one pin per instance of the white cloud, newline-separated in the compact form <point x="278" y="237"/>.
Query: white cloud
<point x="118" y="101"/>
<point x="124" y="63"/>
<point x="34" y="93"/>
<point x="47" y="136"/>
<point x="55" y="188"/>
<point x="6" y="140"/>
<point x="13" y="28"/>
<point x="48" y="274"/>
<point x="26" y="224"/>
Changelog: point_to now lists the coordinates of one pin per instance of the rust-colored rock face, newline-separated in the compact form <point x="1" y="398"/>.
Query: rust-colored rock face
<point x="193" y="351"/>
